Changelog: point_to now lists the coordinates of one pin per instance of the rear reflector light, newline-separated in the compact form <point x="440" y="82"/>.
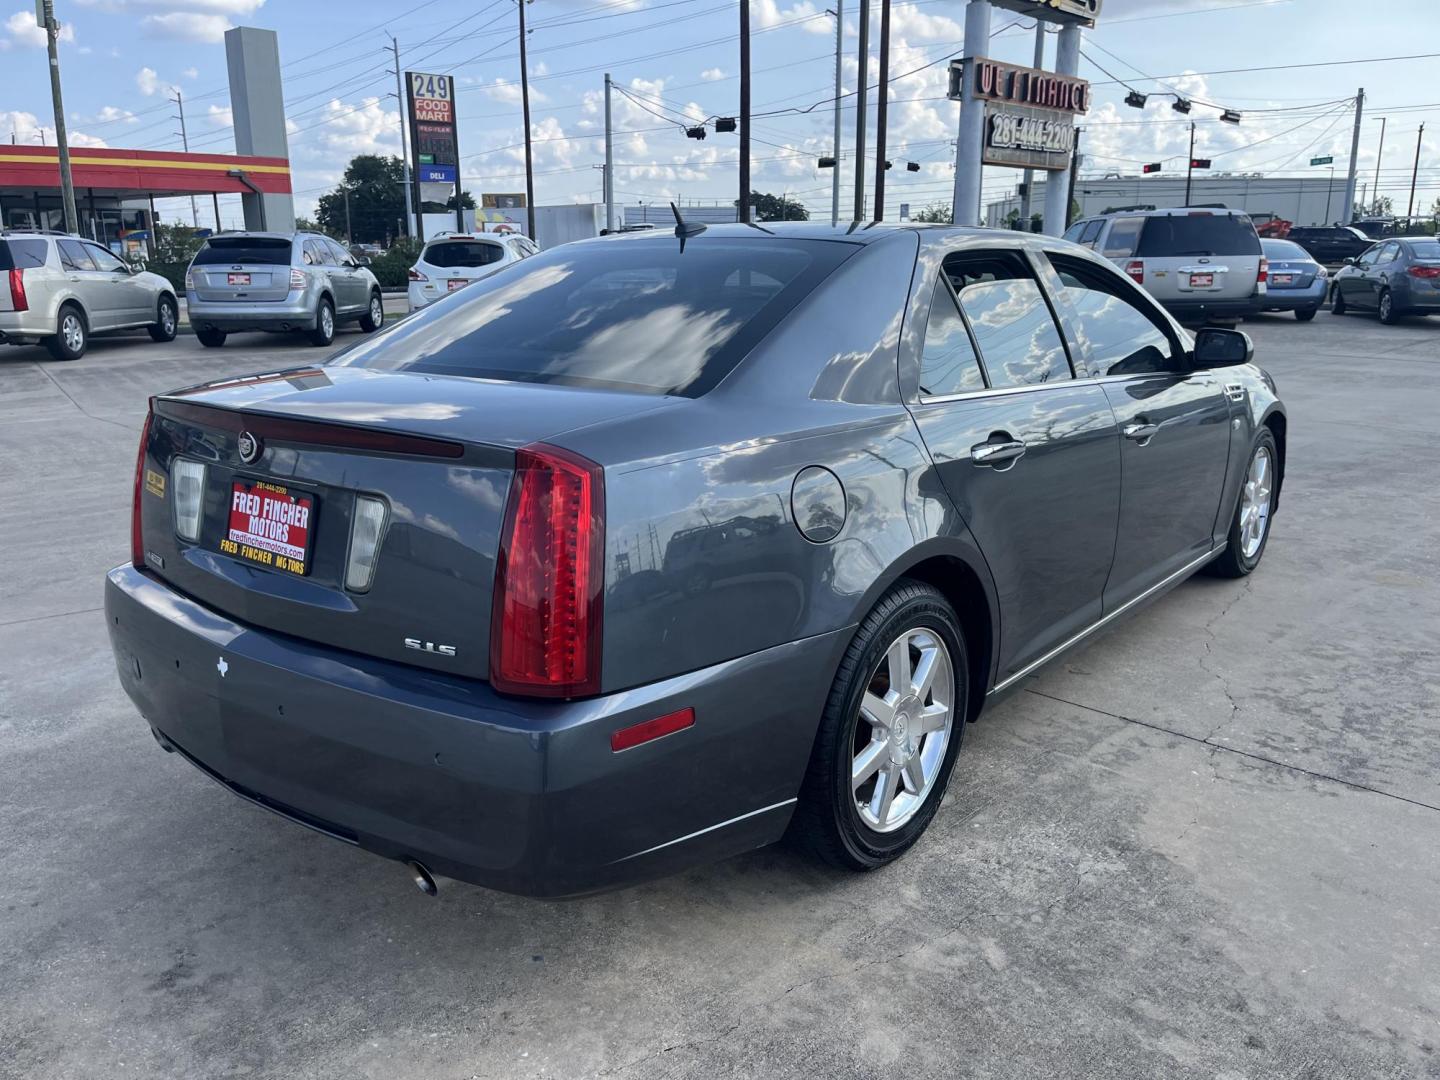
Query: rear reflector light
<point x="416" y="275"/>
<point x="644" y="732"/>
<point x="18" y="299"/>
<point x="189" y="281"/>
<point x="297" y="278"/>
<point x="546" y="609"/>
<point x="1264" y="272"/>
<point x="365" y="532"/>
<point x="1414" y="271"/>
<point x="137" y="541"/>
<point x="187" y="496"/>
<point x="1136" y="269"/>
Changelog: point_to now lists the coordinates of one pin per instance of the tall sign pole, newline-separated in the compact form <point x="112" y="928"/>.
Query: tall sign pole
<point x="412" y="211"/>
<point x="882" y="104"/>
<point x="744" y="110"/>
<point x="839" y="48"/>
<point x="1029" y="180"/>
<point x="971" y="137"/>
<point x="1057" y="192"/>
<point x="45" y="16"/>
<point x="862" y="91"/>
<point x="1190" y="168"/>
<point x="525" y="109"/>
<point x="1354" y="157"/>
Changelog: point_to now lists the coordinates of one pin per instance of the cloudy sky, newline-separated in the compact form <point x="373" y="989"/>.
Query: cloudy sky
<point x="678" y="59"/>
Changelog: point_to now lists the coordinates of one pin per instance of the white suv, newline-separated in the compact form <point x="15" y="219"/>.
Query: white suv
<point x="451" y="261"/>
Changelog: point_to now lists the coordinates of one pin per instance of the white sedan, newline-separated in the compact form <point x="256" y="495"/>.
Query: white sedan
<point x="453" y="260"/>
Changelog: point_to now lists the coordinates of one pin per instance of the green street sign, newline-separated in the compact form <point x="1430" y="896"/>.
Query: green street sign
<point x="1322" y="161"/>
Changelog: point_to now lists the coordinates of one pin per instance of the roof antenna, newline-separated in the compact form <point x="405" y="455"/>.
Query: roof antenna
<point x="682" y="230"/>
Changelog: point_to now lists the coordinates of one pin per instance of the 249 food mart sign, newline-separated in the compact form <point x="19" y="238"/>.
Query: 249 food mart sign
<point x="434" y="145"/>
<point x="1029" y="113"/>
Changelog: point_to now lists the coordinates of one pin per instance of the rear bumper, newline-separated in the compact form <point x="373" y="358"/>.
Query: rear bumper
<point x="24" y="327"/>
<point x="1313" y="296"/>
<point x="295" y="312"/>
<point x="521" y="796"/>
<point x="1198" y="310"/>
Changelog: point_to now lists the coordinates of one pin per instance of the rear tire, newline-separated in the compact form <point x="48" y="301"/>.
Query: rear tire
<point x="891" y="741"/>
<point x="1250" y="525"/>
<point x="1305" y="314"/>
<point x="374" y="317"/>
<point x="211" y="339"/>
<point x="1389" y="313"/>
<point x="167" y="320"/>
<point x="72" y="333"/>
<point x="324" y="332"/>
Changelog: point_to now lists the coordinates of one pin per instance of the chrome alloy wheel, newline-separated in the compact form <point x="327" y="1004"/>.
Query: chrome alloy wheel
<point x="167" y="318"/>
<point x="377" y="310"/>
<point x="327" y="320"/>
<point x="906" y="715"/>
<point x="72" y="330"/>
<point x="1255" y="503"/>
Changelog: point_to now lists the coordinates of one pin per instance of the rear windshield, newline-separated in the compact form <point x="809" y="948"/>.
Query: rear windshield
<point x="244" y="249"/>
<point x="1284" y="249"/>
<point x="22" y="254"/>
<point x="1425" y="249"/>
<point x="633" y="315"/>
<point x="1198" y="234"/>
<point x="466" y="253"/>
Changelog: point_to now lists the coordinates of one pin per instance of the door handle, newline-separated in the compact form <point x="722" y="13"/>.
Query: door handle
<point x="1141" y="433"/>
<point x="1005" y="453"/>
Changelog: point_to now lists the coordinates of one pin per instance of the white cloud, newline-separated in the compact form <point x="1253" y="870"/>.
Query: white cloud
<point x="187" y="26"/>
<point x="221" y="115"/>
<point x="213" y="7"/>
<point x="344" y="129"/>
<point x="767" y="13"/>
<point x="712" y="74"/>
<point x="110" y="114"/>
<point x="148" y="81"/>
<point x="191" y="73"/>
<point x="509" y="92"/>
<point x="29" y="129"/>
<point x="25" y="32"/>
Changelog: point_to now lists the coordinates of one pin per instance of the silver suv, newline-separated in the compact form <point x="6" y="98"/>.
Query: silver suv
<point x="1200" y="263"/>
<point x="59" y="289"/>
<point x="279" y="282"/>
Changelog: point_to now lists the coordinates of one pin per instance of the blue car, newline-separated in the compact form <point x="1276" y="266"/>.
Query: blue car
<point x="1296" y="281"/>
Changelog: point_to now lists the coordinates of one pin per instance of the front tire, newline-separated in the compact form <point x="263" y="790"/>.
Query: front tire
<point x="324" y="332"/>
<point x="210" y="338"/>
<point x="1305" y="314"/>
<point x="1250" y="526"/>
<point x="1337" y="302"/>
<point x="167" y="320"/>
<point x="889" y="734"/>
<point x="1389" y="314"/>
<point x="72" y="334"/>
<point x="374" y="317"/>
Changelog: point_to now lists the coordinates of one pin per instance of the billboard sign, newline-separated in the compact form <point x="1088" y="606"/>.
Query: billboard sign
<point x="434" y="146"/>
<point x="990" y="80"/>
<point x="1028" y="138"/>
<point x="503" y="200"/>
<point x="1084" y="12"/>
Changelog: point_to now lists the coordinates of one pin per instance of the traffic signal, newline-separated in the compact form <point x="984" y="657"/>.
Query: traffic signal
<point x="1153" y="167"/>
<point x="826" y="163"/>
<point x="695" y="132"/>
<point x="724" y="123"/>
<point x="1199" y="163"/>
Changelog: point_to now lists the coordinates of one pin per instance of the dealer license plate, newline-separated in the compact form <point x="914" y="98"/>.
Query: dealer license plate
<point x="456" y="283"/>
<point x="237" y="279"/>
<point x="270" y="526"/>
<point x="1202" y="281"/>
<point x="1282" y="279"/>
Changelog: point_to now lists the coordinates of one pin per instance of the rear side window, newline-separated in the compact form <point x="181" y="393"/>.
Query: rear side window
<point x="1124" y="235"/>
<point x="635" y="316"/>
<point x="22" y="254"/>
<point x="73" y="255"/>
<point x="463" y="253"/>
<point x="264" y="251"/>
<point x="948" y="364"/>
<point x="1198" y="234"/>
<point x="1017" y="337"/>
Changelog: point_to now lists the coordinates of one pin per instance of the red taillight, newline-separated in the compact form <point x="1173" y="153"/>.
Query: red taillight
<point x="18" y="300"/>
<point x="545" y="613"/>
<point x="137" y="539"/>
<point x="297" y="278"/>
<point x="416" y="275"/>
<point x="1136" y="269"/>
<point x="1414" y="271"/>
<point x="1263" y="274"/>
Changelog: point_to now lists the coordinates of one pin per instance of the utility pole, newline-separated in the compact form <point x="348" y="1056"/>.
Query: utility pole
<point x="185" y="142"/>
<point x="412" y="209"/>
<point x="839" y="46"/>
<point x="1415" y="172"/>
<point x="745" y="110"/>
<point x="862" y="91"/>
<point x="1354" y="156"/>
<point x="1329" y="190"/>
<point x="67" y="185"/>
<point x="608" y="182"/>
<point x="1378" y="154"/>
<point x="881" y="109"/>
<point x="1029" y="180"/>
<point x="1190" y="168"/>
<point x="349" y="236"/>
<point x="525" y="109"/>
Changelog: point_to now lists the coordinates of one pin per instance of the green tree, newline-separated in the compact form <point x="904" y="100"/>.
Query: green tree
<point x="776" y="207"/>
<point x="376" y="187"/>
<point x="936" y="214"/>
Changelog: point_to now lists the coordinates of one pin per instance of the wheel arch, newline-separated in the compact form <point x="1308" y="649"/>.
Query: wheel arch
<point x="1276" y="421"/>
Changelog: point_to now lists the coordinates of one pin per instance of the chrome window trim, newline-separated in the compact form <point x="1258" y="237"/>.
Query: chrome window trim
<point x="1192" y="565"/>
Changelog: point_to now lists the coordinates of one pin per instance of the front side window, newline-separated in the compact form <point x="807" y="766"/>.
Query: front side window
<point x="1123" y="338"/>
<point x="1018" y="340"/>
<point x="338" y="255"/>
<point x="1367" y="258"/>
<point x="948" y="364"/>
<point x="104" y="260"/>
<point x="1124" y="235"/>
<point x="73" y="256"/>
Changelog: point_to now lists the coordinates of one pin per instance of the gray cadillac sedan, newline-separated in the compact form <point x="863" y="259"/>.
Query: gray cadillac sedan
<point x="650" y="549"/>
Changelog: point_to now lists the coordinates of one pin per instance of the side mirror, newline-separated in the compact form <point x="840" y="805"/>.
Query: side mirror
<point x="1216" y="347"/>
<point x="1350" y="260"/>
<point x="363" y="260"/>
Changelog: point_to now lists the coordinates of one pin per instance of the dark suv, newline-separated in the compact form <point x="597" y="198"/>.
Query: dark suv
<point x="1330" y="243"/>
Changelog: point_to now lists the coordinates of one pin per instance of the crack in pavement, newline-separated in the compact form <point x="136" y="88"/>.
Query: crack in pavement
<point x="83" y="411"/>
<point x="1210" y="638"/>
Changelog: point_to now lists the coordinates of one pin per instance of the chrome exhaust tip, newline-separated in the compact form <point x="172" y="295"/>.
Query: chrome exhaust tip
<point x="422" y="878"/>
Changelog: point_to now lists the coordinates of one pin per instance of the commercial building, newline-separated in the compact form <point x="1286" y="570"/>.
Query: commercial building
<point x="1303" y="200"/>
